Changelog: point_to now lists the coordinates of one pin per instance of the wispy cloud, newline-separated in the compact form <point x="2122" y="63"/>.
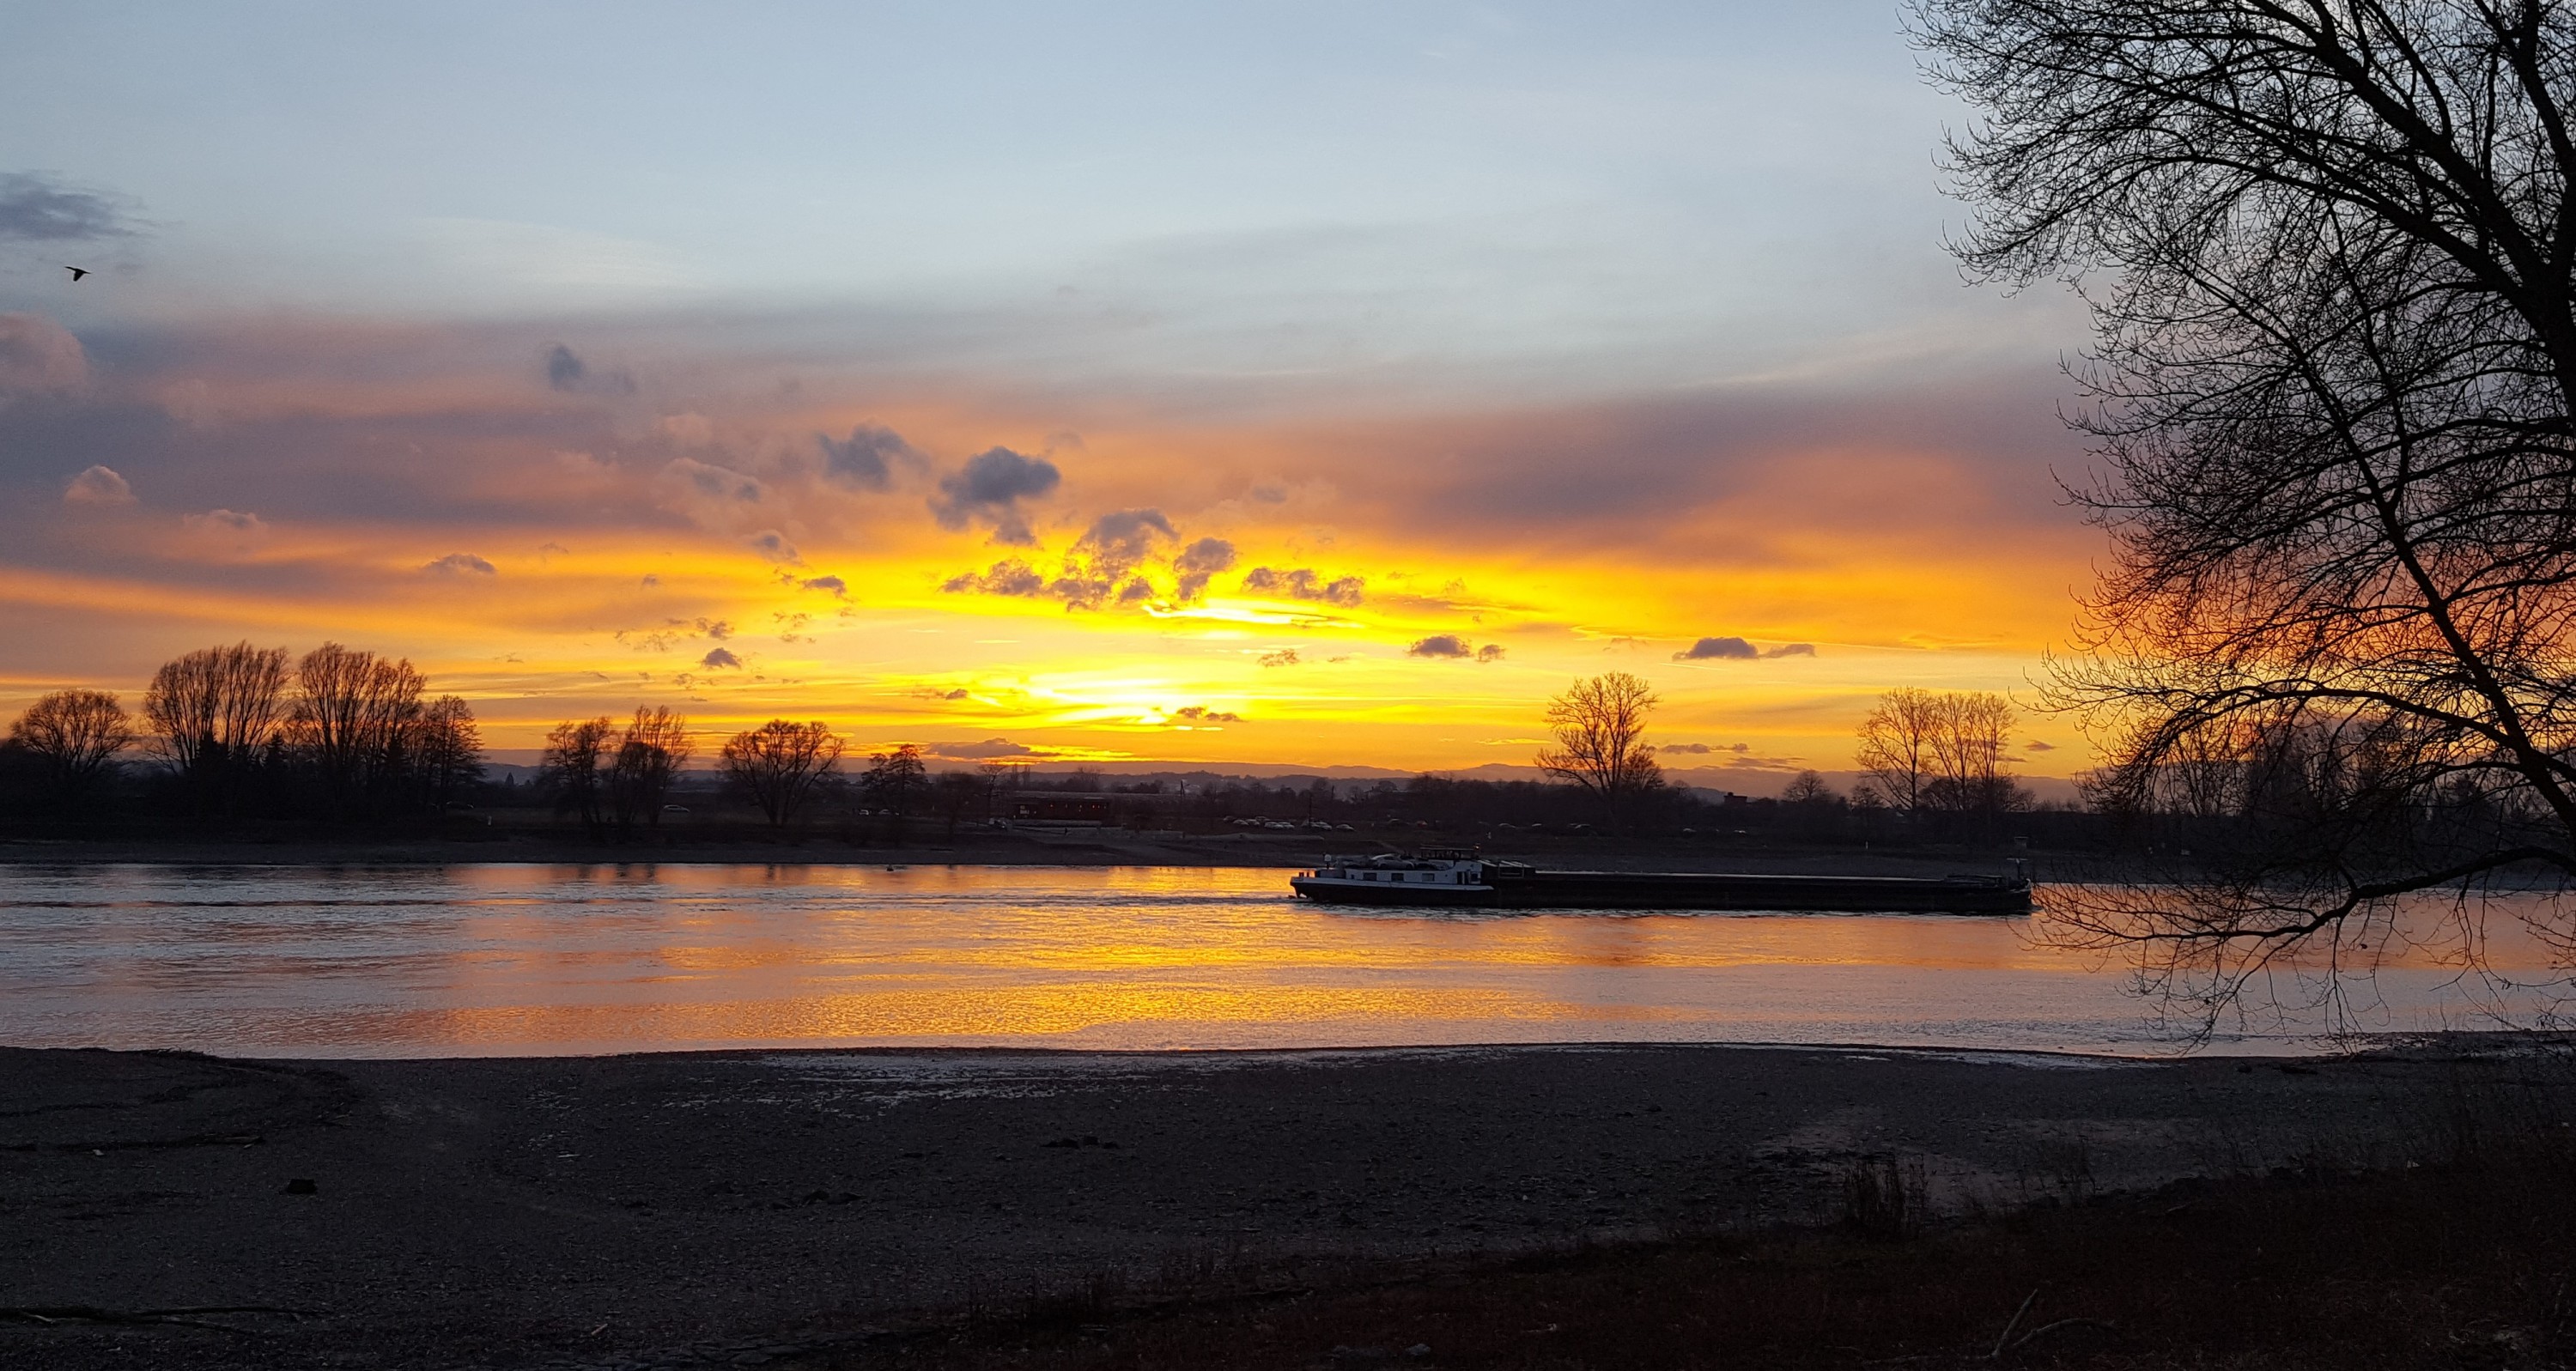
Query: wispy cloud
<point x="37" y="207"/>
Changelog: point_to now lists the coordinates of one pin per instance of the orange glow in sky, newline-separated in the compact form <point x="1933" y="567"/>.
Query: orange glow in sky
<point x="1347" y="385"/>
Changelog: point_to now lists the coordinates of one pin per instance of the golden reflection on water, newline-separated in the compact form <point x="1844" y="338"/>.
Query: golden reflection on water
<point x="639" y="956"/>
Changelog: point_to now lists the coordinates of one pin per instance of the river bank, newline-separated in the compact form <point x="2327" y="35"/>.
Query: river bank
<point x="1000" y="847"/>
<point x="660" y="1209"/>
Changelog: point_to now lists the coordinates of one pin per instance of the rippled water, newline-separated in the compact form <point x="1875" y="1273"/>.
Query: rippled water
<point x="511" y="959"/>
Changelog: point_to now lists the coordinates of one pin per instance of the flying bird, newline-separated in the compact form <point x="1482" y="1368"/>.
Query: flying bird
<point x="77" y="272"/>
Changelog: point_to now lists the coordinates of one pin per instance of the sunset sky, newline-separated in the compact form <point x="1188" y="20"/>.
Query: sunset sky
<point x="1282" y="383"/>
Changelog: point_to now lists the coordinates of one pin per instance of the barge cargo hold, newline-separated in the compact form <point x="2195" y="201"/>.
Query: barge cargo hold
<point x="1465" y="881"/>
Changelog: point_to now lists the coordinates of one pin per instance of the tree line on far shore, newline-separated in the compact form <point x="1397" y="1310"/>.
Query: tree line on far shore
<point x="339" y="733"/>
<point x="1925" y="755"/>
<point x="344" y="734"/>
<point x="250" y="730"/>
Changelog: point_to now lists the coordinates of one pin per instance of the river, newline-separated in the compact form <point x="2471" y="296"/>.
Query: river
<point x="541" y="960"/>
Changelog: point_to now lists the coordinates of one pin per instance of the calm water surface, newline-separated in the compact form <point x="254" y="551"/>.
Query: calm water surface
<point x="514" y="959"/>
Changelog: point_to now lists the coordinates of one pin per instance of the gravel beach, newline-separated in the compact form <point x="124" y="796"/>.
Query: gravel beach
<point x="686" y="1208"/>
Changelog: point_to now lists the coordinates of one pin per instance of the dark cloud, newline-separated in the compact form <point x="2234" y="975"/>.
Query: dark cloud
<point x="1738" y="650"/>
<point x="1719" y="649"/>
<point x="1304" y="583"/>
<point x="37" y="208"/>
<point x="832" y="584"/>
<point x="719" y="657"/>
<point x="1201" y="714"/>
<point x="2035" y="745"/>
<point x="1008" y="577"/>
<point x="1286" y="656"/>
<point x="461" y="564"/>
<point x="957" y="694"/>
<point x="1102" y="567"/>
<point x="1123" y="539"/>
<point x="98" y="485"/>
<point x="1267" y="495"/>
<point x="868" y="457"/>
<point x="989" y="489"/>
<point x="1694" y="749"/>
<point x="773" y="545"/>
<point x="565" y="371"/>
<point x="1198" y="562"/>
<point x="985" y="750"/>
<point x="1450" y="645"/>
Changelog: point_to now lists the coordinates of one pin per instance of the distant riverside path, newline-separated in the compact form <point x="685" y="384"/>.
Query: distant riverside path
<point x="535" y="960"/>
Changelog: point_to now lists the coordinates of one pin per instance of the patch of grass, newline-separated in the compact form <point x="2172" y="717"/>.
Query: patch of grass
<point x="2466" y="1265"/>
<point x="1885" y="1198"/>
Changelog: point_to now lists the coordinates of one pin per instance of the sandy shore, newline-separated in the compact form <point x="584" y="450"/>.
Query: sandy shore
<point x="652" y="1210"/>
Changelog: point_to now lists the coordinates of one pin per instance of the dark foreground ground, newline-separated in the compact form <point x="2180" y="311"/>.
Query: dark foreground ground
<point x="1622" y="1206"/>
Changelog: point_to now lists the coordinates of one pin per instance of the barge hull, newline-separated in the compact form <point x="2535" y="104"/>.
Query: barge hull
<point x="1817" y="894"/>
<point x="1714" y="893"/>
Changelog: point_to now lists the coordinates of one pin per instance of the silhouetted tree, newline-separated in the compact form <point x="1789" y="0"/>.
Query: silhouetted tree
<point x="647" y="760"/>
<point x="73" y="736"/>
<point x="213" y="712"/>
<point x="1897" y="749"/>
<point x="896" y="782"/>
<point x="1970" y="752"/>
<point x="1600" y="728"/>
<point x="447" y="755"/>
<point x="352" y="722"/>
<point x="2335" y="386"/>
<point x="571" y="766"/>
<point x="1807" y="788"/>
<point x="1942" y="752"/>
<point x="781" y="765"/>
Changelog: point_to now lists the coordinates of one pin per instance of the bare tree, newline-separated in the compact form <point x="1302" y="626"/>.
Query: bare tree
<point x="1970" y="753"/>
<point x="1809" y="789"/>
<point x="212" y="711"/>
<point x="1941" y="752"/>
<point x="572" y="766"/>
<point x="647" y="760"/>
<point x="896" y="782"/>
<point x="1897" y="748"/>
<point x="352" y="722"/>
<point x="2331" y="249"/>
<point x="447" y="754"/>
<point x="781" y="765"/>
<point x="74" y="737"/>
<point x="1600" y="728"/>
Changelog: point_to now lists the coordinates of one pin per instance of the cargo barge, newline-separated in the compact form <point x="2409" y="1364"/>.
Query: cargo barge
<point x="1454" y="880"/>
